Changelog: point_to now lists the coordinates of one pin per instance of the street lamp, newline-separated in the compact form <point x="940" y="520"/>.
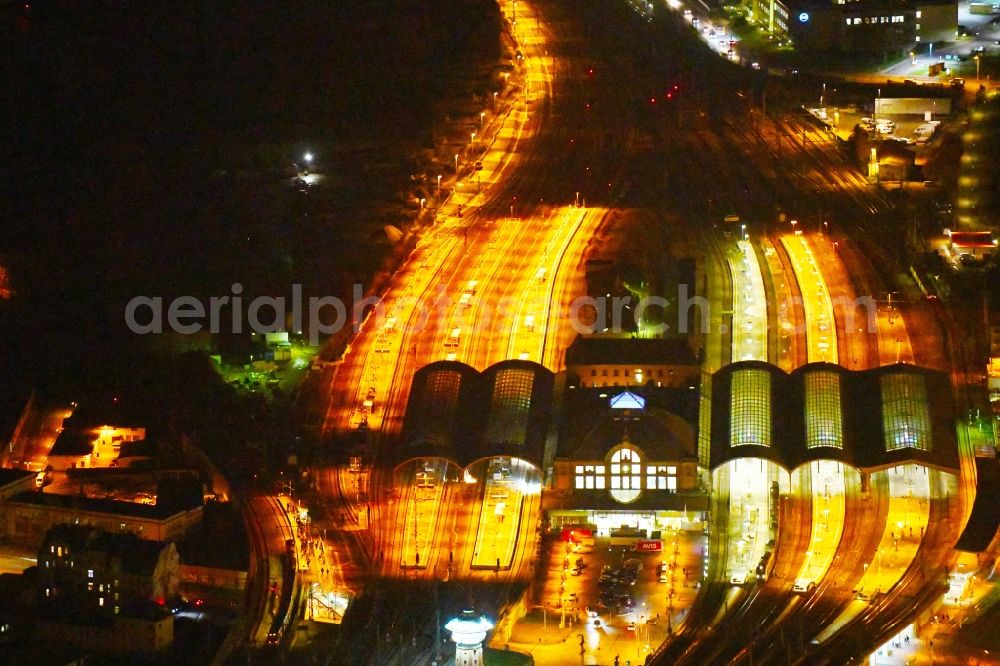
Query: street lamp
<point x="977" y="67"/>
<point x="308" y="157"/>
<point x="482" y="114"/>
<point x="438" y="192"/>
<point x="456" y="164"/>
<point x="913" y="58"/>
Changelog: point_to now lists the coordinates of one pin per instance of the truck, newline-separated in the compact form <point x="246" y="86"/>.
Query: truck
<point x="980" y="8"/>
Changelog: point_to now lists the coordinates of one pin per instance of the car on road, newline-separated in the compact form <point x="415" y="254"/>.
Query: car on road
<point x="803" y="585"/>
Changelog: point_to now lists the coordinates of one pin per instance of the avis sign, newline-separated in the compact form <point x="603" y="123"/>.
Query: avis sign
<point x="649" y="545"/>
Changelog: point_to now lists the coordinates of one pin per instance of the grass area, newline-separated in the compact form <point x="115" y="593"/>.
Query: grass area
<point x="492" y="657"/>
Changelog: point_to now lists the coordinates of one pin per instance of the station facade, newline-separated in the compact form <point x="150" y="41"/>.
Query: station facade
<point x="631" y="457"/>
<point x="613" y="436"/>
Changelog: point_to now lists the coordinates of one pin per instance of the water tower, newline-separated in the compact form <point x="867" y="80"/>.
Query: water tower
<point x="469" y="631"/>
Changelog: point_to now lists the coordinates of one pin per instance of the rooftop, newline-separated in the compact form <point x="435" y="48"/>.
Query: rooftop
<point x="73" y="443"/>
<point x="661" y="427"/>
<point x="97" y="413"/>
<point x="221" y="524"/>
<point x="114" y="507"/>
<point x="138" y="556"/>
<point x="9" y="476"/>
<point x="629" y="351"/>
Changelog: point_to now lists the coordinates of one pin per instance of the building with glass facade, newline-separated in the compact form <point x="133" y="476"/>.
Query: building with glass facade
<point x="870" y="419"/>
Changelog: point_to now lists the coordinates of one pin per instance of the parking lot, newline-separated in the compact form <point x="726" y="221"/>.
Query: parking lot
<point x="910" y="128"/>
<point x="644" y="597"/>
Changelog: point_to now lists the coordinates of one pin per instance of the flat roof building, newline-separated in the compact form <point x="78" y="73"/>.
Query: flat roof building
<point x="606" y="361"/>
<point x="27" y="516"/>
<point x="872" y="25"/>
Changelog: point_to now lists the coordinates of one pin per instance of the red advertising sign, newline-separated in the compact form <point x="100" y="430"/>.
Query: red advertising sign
<point x="649" y="545"/>
<point x="574" y="533"/>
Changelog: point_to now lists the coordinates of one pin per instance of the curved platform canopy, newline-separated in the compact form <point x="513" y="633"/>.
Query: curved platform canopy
<point x="870" y="419"/>
<point x="458" y="413"/>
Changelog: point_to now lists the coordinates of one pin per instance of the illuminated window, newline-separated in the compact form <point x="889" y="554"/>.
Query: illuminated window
<point x="100" y="601"/>
<point x="100" y="588"/>
<point x="627" y="400"/>
<point x="904" y="412"/>
<point x="507" y="422"/>
<point x="590" y="477"/>
<point x="626" y="475"/>
<point x="90" y="573"/>
<point x="824" y="420"/>
<point x="919" y="13"/>
<point x="90" y="587"/>
<point x="750" y="408"/>
<point x="661" y="477"/>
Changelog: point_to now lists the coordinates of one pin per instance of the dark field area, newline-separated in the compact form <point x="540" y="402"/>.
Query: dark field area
<point x="149" y="148"/>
